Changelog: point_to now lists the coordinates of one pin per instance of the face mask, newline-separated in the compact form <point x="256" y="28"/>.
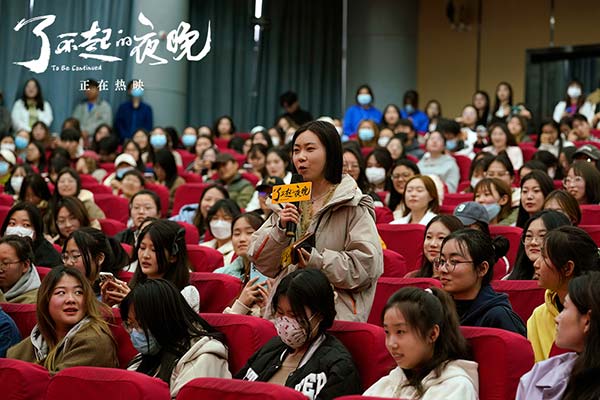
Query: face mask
<point x="7" y="146"/>
<point x="158" y="141"/>
<point x="366" y="134"/>
<point x="122" y="171"/>
<point x="19" y="230"/>
<point x="551" y="172"/>
<point x="290" y="332"/>
<point x="143" y="344"/>
<point x="492" y="210"/>
<point x="339" y="130"/>
<point x="474" y="182"/>
<point x="21" y="142"/>
<point x="344" y="138"/>
<point x="451" y="144"/>
<point x="220" y="229"/>
<point x="383" y="141"/>
<point x="409" y="109"/>
<point x="574" y="92"/>
<point x="16" y="182"/>
<point x="188" y="140"/>
<point x="364" y="99"/>
<point x="3" y="167"/>
<point x="137" y="92"/>
<point x="275" y="140"/>
<point x="375" y="175"/>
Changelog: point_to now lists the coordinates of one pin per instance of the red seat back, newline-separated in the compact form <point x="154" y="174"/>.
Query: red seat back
<point x="221" y="143"/>
<point x="593" y="231"/>
<point x="454" y="199"/>
<point x="21" y="380"/>
<point x="97" y="188"/>
<point x="382" y="196"/>
<point x="125" y="349"/>
<point x="42" y="272"/>
<point x="383" y="215"/>
<point x="366" y="343"/>
<point x="191" y="233"/>
<point x="528" y="151"/>
<point x="235" y="389"/>
<point x="513" y="234"/>
<point x="186" y="157"/>
<point x="188" y="193"/>
<point x="3" y="213"/>
<point x="217" y="291"/>
<point x="115" y="206"/>
<point x="590" y="214"/>
<point x="503" y="358"/>
<point x="92" y="383"/>
<point x="253" y="179"/>
<point x="6" y="200"/>
<point x="524" y="296"/>
<point x="24" y="316"/>
<point x="464" y="165"/>
<point x="406" y="240"/>
<point x="108" y="167"/>
<point x="388" y="286"/>
<point x="111" y="226"/>
<point x="163" y="194"/>
<point x="394" y="264"/>
<point x="501" y="270"/>
<point x="203" y="258"/>
<point x="244" y="334"/>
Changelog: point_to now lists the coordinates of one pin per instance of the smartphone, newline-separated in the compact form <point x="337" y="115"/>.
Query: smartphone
<point x="106" y="276"/>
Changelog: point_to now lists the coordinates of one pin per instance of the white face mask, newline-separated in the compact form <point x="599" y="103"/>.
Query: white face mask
<point x="16" y="182"/>
<point x="383" y="141"/>
<point x="474" y="182"/>
<point x="375" y="175"/>
<point x="19" y="230"/>
<point x="339" y="130"/>
<point x="574" y="91"/>
<point x="220" y="229"/>
<point x="7" y="146"/>
<point x="275" y="140"/>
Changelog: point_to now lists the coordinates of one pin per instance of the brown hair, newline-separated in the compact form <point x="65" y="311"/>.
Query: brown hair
<point x="375" y="128"/>
<point x="568" y="205"/>
<point x="501" y="188"/>
<point x="434" y="203"/>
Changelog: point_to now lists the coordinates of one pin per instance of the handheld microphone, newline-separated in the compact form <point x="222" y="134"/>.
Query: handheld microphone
<point x="290" y="227"/>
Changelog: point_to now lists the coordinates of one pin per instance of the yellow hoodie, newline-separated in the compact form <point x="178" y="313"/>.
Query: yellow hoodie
<point x="541" y="328"/>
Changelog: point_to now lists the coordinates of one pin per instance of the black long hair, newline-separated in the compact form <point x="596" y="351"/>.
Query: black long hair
<point x="546" y="185"/>
<point x="452" y="224"/>
<point x="395" y="196"/>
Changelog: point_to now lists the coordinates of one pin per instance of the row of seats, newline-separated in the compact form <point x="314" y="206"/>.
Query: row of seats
<point x="503" y="358"/>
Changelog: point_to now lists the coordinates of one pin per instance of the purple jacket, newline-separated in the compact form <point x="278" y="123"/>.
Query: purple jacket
<point x="548" y="379"/>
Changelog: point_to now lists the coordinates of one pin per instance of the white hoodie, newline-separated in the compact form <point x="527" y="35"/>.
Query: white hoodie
<point x="459" y="380"/>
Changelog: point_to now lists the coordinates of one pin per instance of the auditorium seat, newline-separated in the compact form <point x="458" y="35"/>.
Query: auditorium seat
<point x="3" y="213"/>
<point x="21" y="380"/>
<point x="203" y="258"/>
<point x="191" y="233"/>
<point x="394" y="264"/>
<point x="115" y="206"/>
<point x="406" y="240"/>
<point x="235" y="389"/>
<point x="111" y="226"/>
<point x="454" y="199"/>
<point x="593" y="231"/>
<point x="524" y="296"/>
<point x="464" y="166"/>
<point x="97" y="188"/>
<point x="528" y="151"/>
<point x="359" y="397"/>
<point x="388" y="286"/>
<point x="217" y="291"/>
<point x="186" y="157"/>
<point x="128" y="248"/>
<point x="463" y="185"/>
<point x="57" y="247"/>
<point x="366" y="343"/>
<point x="446" y="209"/>
<point x="24" y="316"/>
<point x="42" y="272"/>
<point x="253" y="179"/>
<point x="6" y="200"/>
<point x="163" y="194"/>
<point x="221" y="143"/>
<point x="513" y="234"/>
<point x="125" y="349"/>
<point x="188" y="193"/>
<point x="590" y="214"/>
<point x="503" y="357"/>
<point x="92" y="383"/>
<point x="383" y="215"/>
<point x="190" y="177"/>
<point x="245" y="335"/>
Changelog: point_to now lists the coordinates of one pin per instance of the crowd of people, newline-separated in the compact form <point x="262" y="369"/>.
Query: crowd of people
<point x="305" y="265"/>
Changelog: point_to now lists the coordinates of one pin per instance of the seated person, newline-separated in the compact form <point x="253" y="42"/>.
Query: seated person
<point x="423" y="336"/>
<point x="123" y="163"/>
<point x="68" y="183"/>
<point x="69" y="140"/>
<point x="563" y="202"/>
<point x="144" y="204"/>
<point x="132" y="183"/>
<point x="70" y="215"/>
<point x="437" y="162"/>
<point x="219" y="219"/>
<point x="240" y="190"/>
<point x="175" y="344"/>
<point x="303" y="352"/>
<point x="465" y="268"/>
<point x="70" y="330"/>
<point x="166" y="173"/>
<point x="9" y="333"/>
<point x="571" y="375"/>
<point x="19" y="280"/>
<point x="420" y="201"/>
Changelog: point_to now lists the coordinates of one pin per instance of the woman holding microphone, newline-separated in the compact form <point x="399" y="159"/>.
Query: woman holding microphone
<point x="334" y="231"/>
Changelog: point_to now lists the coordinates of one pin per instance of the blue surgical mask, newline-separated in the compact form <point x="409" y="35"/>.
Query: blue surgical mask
<point x="366" y="134"/>
<point x="364" y="99"/>
<point x="409" y="109"/>
<point x="451" y="144"/>
<point x="158" y="141"/>
<point x="122" y="171"/>
<point x="3" y="167"/>
<point x="142" y="343"/>
<point x="188" y="140"/>
<point x="21" y="142"/>
<point x="492" y="210"/>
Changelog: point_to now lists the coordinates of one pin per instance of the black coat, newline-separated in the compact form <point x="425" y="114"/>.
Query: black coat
<point x="45" y="255"/>
<point x="329" y="373"/>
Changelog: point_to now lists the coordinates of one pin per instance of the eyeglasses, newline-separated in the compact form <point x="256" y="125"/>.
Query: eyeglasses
<point x="397" y="177"/>
<point x="576" y="181"/>
<point x="4" y="265"/>
<point x="450" y="264"/>
<point x="529" y="238"/>
<point x="350" y="167"/>
<point x="66" y="257"/>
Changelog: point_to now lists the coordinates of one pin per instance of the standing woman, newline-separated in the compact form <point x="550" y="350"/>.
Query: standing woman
<point x="573" y="103"/>
<point x="363" y="109"/>
<point x="344" y="243"/>
<point x="31" y="108"/>
<point x="481" y="102"/>
<point x="504" y="102"/>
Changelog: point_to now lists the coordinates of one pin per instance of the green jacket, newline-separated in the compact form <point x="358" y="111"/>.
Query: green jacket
<point x="240" y="190"/>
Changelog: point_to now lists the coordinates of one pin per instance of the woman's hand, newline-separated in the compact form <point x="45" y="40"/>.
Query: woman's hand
<point x="251" y="293"/>
<point x="113" y="291"/>
<point x="289" y="214"/>
<point x="303" y="258"/>
<point x="264" y="289"/>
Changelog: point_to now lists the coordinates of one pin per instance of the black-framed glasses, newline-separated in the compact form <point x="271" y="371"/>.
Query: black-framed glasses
<point x="538" y="239"/>
<point x="450" y="264"/>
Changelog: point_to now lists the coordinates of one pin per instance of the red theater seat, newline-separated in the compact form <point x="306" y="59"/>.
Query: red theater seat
<point x="593" y="231"/>
<point x="464" y="165"/>
<point x="115" y="206"/>
<point x="125" y="349"/>
<point x="524" y="296"/>
<point x="42" y="272"/>
<point x="245" y="335"/>
<point x="235" y="389"/>
<point x="163" y="194"/>
<point x="186" y="157"/>
<point x="111" y="226"/>
<point x="383" y="215"/>
<point x="21" y="380"/>
<point x="3" y="213"/>
<point x="6" y="200"/>
<point x="388" y="286"/>
<point x="23" y="315"/>
<point x="191" y="233"/>
<point x="188" y="193"/>
<point x="217" y="291"/>
<point x="454" y="199"/>
<point x="394" y="264"/>
<point x="528" y="151"/>
<point x="204" y="259"/>
<point x="503" y="357"/>
<point x="92" y="383"/>
<point x="590" y="214"/>
<point x="406" y="240"/>
<point x="513" y="234"/>
<point x="366" y="343"/>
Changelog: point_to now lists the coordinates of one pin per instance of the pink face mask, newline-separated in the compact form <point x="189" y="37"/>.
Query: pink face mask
<point x="290" y="332"/>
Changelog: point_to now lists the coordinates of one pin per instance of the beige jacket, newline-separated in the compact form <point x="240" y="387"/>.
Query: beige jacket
<point x="348" y="250"/>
